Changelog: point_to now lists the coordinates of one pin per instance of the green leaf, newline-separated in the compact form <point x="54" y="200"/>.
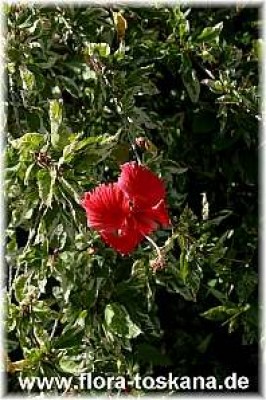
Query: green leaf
<point x="215" y="85"/>
<point x="220" y="313"/>
<point x="148" y="353"/>
<point x="119" y="323"/>
<point x="103" y="49"/>
<point x="70" y="189"/>
<point x="246" y="285"/>
<point x="121" y="153"/>
<point x="181" y="23"/>
<point x="210" y="34"/>
<point x="27" y="77"/>
<point x="71" y="364"/>
<point x="190" y="80"/>
<point x="183" y="265"/>
<point x="94" y="147"/>
<point x="70" y="337"/>
<point x="20" y="286"/>
<point x="46" y="181"/>
<point x="30" y="170"/>
<point x="70" y="85"/>
<point x="56" y="115"/>
<point x="28" y="143"/>
<point x="203" y="346"/>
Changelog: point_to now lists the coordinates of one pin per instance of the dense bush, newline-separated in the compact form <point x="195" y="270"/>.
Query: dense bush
<point x="88" y="90"/>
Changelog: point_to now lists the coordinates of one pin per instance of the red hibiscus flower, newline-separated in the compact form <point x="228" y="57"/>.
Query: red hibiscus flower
<point x="124" y="213"/>
<point x="146" y="191"/>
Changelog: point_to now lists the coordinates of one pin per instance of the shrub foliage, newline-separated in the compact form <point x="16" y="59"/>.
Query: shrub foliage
<point x="88" y="89"/>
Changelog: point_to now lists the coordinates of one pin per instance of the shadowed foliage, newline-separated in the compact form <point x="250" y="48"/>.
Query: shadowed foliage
<point x="89" y="89"/>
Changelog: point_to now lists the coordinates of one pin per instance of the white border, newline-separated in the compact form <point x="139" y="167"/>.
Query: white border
<point x="142" y="3"/>
<point x="262" y="210"/>
<point x="262" y="172"/>
<point x="2" y="207"/>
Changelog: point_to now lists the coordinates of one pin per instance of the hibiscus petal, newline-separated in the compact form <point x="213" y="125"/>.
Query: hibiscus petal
<point x="160" y="214"/>
<point x="141" y="185"/>
<point x="144" y="221"/>
<point x="124" y="242"/>
<point x="127" y="211"/>
<point x="106" y="207"/>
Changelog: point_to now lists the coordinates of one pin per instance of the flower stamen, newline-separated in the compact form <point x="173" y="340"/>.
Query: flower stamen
<point x="159" y="261"/>
<point x="157" y="248"/>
